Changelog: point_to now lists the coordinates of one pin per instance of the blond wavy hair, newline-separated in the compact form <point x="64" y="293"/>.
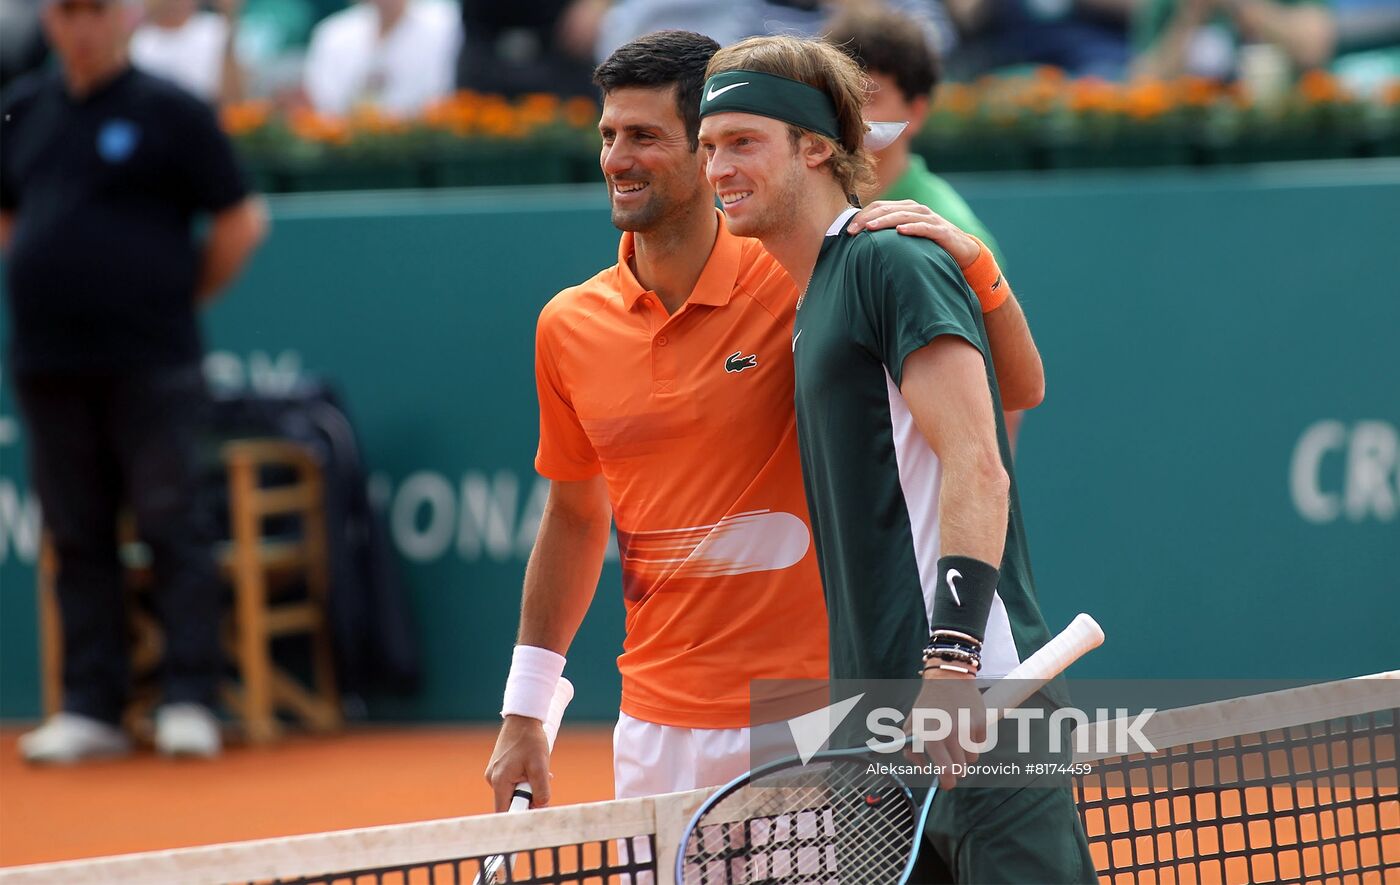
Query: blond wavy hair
<point x="821" y="66"/>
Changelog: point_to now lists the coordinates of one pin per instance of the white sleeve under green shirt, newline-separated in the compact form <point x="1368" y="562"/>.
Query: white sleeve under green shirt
<point x="871" y="477"/>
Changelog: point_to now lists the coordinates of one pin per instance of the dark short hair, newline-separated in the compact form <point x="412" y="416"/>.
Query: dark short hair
<point x="665" y="58"/>
<point x="885" y="41"/>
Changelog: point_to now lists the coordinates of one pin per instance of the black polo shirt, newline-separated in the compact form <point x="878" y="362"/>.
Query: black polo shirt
<point x="104" y="190"/>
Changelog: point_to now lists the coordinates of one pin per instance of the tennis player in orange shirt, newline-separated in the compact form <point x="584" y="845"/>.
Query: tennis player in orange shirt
<point x="666" y="403"/>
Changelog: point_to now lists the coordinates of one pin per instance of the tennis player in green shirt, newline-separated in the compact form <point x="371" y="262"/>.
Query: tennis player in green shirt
<point x="904" y="456"/>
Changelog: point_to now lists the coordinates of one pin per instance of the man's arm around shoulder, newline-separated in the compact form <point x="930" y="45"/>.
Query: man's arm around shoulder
<point x="560" y="580"/>
<point x="1020" y="374"/>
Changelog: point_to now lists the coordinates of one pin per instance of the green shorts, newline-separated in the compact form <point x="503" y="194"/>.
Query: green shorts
<point x="987" y="835"/>
<point x="1021" y="828"/>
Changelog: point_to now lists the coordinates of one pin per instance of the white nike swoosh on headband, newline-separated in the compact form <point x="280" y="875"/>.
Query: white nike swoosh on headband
<point x="715" y="93"/>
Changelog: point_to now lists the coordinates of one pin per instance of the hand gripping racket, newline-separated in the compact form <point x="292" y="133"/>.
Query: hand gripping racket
<point x="838" y="818"/>
<point x="494" y="866"/>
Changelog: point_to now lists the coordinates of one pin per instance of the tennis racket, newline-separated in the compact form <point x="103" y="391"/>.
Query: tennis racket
<point x="494" y="866"/>
<point x="837" y="818"/>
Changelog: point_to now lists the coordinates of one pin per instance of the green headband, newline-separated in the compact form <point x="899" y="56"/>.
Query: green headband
<point x="751" y="92"/>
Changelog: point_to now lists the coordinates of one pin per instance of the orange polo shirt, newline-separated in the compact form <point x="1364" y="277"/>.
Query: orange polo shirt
<point x="689" y="417"/>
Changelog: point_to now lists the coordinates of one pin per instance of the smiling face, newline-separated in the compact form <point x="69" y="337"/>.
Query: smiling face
<point x="652" y="173"/>
<point x="756" y="170"/>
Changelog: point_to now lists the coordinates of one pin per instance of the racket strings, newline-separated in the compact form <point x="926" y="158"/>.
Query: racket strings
<point x="829" y="823"/>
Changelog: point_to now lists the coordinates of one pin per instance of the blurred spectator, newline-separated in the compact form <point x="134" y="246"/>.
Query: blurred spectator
<point x="393" y="55"/>
<point x="21" y="40"/>
<point x="896" y="54"/>
<point x="527" y="46"/>
<point x="1086" y="38"/>
<point x="725" y="23"/>
<point x="272" y="38"/>
<point x="1204" y="37"/>
<point x="193" y="47"/>
<point x="728" y="23"/>
<point x="103" y="169"/>
<point x="1368" y="42"/>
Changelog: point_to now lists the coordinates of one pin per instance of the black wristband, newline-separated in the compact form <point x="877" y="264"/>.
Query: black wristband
<point x="963" y="599"/>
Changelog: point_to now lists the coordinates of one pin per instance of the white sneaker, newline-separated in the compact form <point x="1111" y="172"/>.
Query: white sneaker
<point x="187" y="730"/>
<point x="71" y="737"/>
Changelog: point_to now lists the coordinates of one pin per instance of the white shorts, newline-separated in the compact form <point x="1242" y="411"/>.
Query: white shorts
<point x="649" y="759"/>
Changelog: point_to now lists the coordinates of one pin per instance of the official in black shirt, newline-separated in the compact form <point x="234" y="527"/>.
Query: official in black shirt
<point x="104" y="171"/>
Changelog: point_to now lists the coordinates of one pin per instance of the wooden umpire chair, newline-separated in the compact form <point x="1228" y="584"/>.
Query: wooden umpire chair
<point x="259" y="567"/>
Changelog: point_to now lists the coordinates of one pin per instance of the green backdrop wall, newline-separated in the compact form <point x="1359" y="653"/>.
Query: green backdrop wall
<point x="1215" y="472"/>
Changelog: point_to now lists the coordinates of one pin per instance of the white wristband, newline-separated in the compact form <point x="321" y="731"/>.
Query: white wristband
<point x="534" y="672"/>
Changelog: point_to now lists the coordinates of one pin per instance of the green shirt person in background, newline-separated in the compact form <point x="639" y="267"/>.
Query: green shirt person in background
<point x="899" y="58"/>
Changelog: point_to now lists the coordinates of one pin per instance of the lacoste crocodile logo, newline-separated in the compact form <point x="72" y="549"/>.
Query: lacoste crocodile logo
<point x="737" y="362"/>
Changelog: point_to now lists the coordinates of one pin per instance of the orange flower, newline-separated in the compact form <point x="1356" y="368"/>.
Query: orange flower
<point x="1317" y="87"/>
<point x="244" y="117"/>
<point x="1198" y="91"/>
<point x="1148" y="99"/>
<point x="581" y="113"/>
<point x="311" y="126"/>
<point x="1040" y="94"/>
<point x="1091" y="94"/>
<point x="539" y="108"/>
<point x="442" y="113"/>
<point x="374" y="120"/>
<point x="956" y="98"/>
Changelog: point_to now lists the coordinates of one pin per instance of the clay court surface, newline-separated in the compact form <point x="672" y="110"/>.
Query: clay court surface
<point x="366" y="777"/>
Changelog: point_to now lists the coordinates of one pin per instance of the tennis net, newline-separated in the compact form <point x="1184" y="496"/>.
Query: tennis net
<point x="1296" y="786"/>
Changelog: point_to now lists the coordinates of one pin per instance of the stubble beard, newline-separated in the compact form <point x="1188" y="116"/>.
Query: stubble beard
<point x="783" y="211"/>
<point x="663" y="208"/>
<point x="642" y="218"/>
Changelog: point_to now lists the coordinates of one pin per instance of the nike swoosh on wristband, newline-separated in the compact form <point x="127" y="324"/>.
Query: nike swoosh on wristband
<point x="715" y="93"/>
<point x="954" y="573"/>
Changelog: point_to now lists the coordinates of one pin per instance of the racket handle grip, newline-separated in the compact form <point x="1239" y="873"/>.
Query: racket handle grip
<point x="1083" y="635"/>
<point x="563" y="693"/>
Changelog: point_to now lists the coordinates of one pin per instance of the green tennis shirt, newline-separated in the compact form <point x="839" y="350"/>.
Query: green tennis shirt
<point x="871" y="477"/>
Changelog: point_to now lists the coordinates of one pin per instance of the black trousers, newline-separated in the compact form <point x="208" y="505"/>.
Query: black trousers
<point x="96" y="444"/>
